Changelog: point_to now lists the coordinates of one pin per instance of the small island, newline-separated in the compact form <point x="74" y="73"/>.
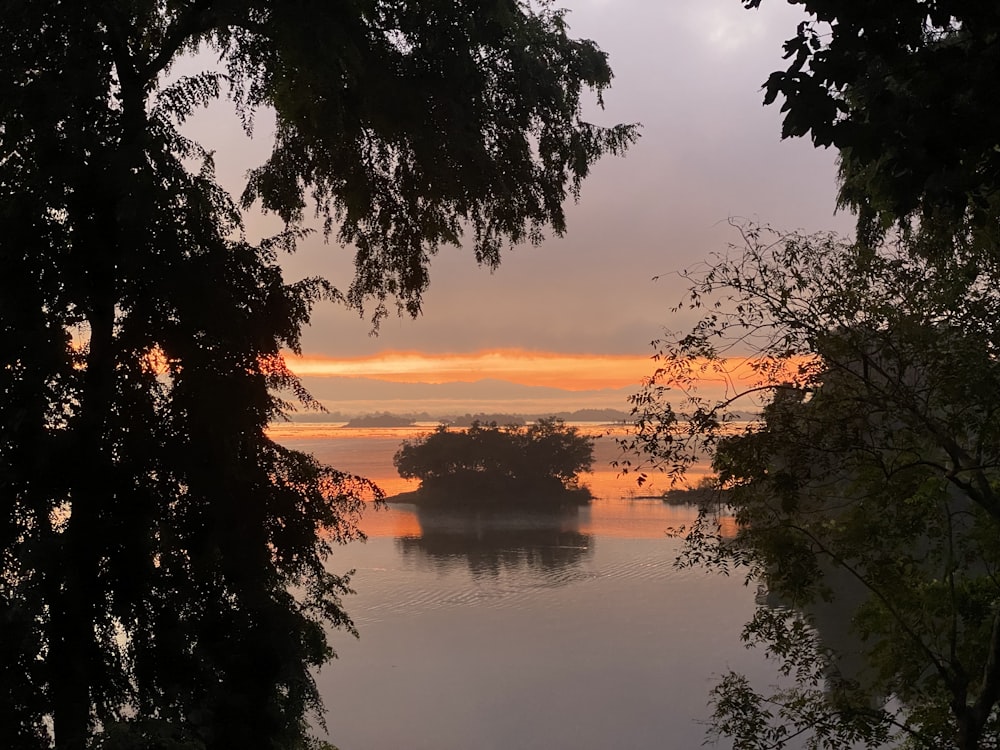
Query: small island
<point x="707" y="493"/>
<point x="380" y="420"/>
<point x="488" y="464"/>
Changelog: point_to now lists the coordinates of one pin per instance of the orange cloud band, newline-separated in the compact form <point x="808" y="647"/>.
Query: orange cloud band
<point x="575" y="372"/>
<point x="571" y="372"/>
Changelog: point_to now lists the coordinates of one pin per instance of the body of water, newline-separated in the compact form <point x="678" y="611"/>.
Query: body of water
<point x="515" y="630"/>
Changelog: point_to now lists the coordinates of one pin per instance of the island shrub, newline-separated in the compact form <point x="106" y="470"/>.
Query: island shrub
<point x="538" y="462"/>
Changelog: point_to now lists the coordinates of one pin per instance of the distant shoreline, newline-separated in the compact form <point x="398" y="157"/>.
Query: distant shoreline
<point x="391" y="419"/>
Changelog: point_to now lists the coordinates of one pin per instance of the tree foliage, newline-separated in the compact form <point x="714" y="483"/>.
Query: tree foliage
<point x="543" y="458"/>
<point x="866" y="492"/>
<point x="163" y="562"/>
<point x="907" y="92"/>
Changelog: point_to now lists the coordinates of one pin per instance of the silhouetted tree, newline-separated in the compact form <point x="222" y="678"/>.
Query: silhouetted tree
<point x="907" y="91"/>
<point x="866" y="491"/>
<point x="162" y="560"/>
<point x="486" y="460"/>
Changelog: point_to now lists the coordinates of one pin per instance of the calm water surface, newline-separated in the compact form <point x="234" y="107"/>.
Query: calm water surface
<point x="492" y="631"/>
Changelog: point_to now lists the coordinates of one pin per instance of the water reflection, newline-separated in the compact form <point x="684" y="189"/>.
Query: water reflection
<point x="488" y="630"/>
<point x="490" y="541"/>
<point x="369" y="452"/>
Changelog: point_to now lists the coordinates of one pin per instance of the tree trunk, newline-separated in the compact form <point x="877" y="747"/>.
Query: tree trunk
<point x="75" y="652"/>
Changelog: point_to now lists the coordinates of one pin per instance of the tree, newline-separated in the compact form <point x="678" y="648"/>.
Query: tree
<point x="163" y="576"/>
<point x="539" y="461"/>
<point x="906" y="91"/>
<point x="866" y="492"/>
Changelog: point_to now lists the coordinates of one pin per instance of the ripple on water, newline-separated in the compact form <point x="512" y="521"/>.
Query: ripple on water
<point x="506" y="578"/>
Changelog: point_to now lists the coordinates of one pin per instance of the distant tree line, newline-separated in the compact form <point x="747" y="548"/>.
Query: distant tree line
<point x="380" y="420"/>
<point x="579" y="415"/>
<point x="487" y="461"/>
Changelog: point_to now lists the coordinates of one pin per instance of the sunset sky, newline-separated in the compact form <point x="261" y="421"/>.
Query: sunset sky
<point x="572" y="320"/>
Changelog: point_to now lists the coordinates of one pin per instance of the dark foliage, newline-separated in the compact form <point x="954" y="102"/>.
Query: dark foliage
<point x="908" y="91"/>
<point x="541" y="461"/>
<point x="162" y="562"/>
<point x="865" y="491"/>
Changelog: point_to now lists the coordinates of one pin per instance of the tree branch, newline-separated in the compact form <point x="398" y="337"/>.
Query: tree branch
<point x="197" y="20"/>
<point x="917" y="641"/>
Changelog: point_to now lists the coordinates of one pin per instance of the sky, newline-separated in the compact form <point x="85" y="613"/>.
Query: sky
<point x="570" y="322"/>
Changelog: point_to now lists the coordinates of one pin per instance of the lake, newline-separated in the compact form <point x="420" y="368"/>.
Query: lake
<point x="490" y="631"/>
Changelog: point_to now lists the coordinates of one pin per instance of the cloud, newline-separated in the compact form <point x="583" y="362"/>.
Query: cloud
<point x="568" y="372"/>
<point x="516" y="381"/>
<point x="725" y="33"/>
<point x="690" y="71"/>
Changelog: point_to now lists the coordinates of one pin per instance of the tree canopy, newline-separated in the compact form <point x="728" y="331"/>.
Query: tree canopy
<point x="865" y="492"/>
<point x="163" y="562"/>
<point x="485" y="462"/>
<point x="907" y="92"/>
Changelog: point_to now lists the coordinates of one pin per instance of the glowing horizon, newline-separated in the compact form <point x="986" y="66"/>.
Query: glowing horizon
<point x="566" y="371"/>
<point x="572" y="372"/>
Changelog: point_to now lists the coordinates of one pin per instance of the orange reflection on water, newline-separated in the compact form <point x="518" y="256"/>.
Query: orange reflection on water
<point x="642" y="519"/>
<point x="285" y="431"/>
<point x="625" y="519"/>
<point x="635" y="519"/>
<point x="621" y="508"/>
<point x="391" y="521"/>
<point x="728" y="527"/>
